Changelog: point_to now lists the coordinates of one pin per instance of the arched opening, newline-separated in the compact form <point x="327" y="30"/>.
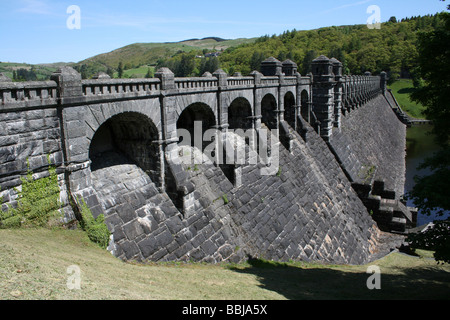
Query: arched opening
<point x="197" y="119"/>
<point x="196" y="116"/>
<point x="289" y="109"/>
<point x="239" y="114"/>
<point x="240" y="123"/>
<point x="268" y="111"/>
<point x="129" y="137"/>
<point x="305" y="112"/>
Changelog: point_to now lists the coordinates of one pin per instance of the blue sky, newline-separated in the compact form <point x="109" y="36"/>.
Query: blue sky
<point x="35" y="31"/>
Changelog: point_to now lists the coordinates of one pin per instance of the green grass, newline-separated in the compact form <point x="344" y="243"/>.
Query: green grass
<point x="136" y="72"/>
<point x="401" y="89"/>
<point x="34" y="262"/>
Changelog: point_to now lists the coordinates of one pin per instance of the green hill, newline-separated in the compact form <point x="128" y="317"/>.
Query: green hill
<point x="140" y="55"/>
<point x="136" y="58"/>
<point x="392" y="48"/>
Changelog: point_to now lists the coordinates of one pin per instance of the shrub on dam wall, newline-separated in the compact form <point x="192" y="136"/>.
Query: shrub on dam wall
<point x="37" y="202"/>
<point x="38" y="205"/>
<point x="95" y="228"/>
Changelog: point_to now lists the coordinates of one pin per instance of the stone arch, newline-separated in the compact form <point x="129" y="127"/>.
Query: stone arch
<point x="269" y="107"/>
<point x="289" y="108"/>
<point x="240" y="114"/>
<point x="196" y="112"/>
<point x="304" y="102"/>
<point x="127" y="137"/>
<point x="184" y="102"/>
<point x="204" y="116"/>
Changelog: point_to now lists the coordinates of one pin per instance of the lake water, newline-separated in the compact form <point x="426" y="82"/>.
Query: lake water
<point x="420" y="145"/>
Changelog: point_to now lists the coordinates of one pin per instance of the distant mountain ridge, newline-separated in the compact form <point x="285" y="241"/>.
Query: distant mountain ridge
<point x="207" y="38"/>
<point x="139" y="54"/>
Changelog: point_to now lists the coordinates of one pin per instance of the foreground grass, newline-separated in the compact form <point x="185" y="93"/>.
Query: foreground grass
<point x="34" y="262"/>
<point x="401" y="89"/>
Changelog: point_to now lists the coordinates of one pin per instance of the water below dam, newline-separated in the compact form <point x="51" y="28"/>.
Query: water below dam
<point x="420" y="145"/>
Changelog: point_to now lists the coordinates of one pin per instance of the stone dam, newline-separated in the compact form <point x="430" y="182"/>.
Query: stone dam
<point x="327" y="187"/>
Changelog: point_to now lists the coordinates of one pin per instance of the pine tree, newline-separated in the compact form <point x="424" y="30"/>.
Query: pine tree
<point x="110" y="72"/>
<point x="120" y="69"/>
<point x="149" y="73"/>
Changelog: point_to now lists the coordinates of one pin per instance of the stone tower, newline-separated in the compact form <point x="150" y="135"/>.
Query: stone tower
<point x="338" y="90"/>
<point x="323" y="94"/>
<point x="289" y="68"/>
<point x="271" y="67"/>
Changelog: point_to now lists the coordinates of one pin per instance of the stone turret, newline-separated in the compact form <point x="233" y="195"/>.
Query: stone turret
<point x="289" y="68"/>
<point x="69" y="84"/>
<point x="322" y="68"/>
<point x="323" y="94"/>
<point x="383" y="84"/>
<point x="101" y="75"/>
<point x="167" y="78"/>
<point x="271" y="67"/>
<point x="338" y="91"/>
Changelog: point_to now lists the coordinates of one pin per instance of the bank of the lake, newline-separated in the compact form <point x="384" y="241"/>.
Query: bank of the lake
<point x="402" y="88"/>
<point x="420" y="144"/>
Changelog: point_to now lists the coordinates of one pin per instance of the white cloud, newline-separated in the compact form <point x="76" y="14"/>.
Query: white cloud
<point x="34" y="7"/>
<point x="101" y="20"/>
<point x="355" y="4"/>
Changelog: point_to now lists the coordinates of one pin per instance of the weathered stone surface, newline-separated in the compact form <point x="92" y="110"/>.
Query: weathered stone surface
<point x="111" y="141"/>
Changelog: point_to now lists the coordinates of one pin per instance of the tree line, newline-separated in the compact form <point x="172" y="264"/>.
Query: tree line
<point x="393" y="48"/>
<point x="432" y="89"/>
<point x="24" y="75"/>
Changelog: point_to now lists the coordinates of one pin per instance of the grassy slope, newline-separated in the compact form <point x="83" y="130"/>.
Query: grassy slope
<point x="149" y="53"/>
<point x="401" y="90"/>
<point x="34" y="262"/>
<point x="142" y="54"/>
<point x="136" y="72"/>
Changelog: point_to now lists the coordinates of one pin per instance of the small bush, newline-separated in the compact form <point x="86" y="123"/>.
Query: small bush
<point x="225" y="199"/>
<point x="96" y="229"/>
<point x="37" y="204"/>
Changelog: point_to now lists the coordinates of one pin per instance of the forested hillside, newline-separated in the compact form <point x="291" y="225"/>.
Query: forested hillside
<point x="391" y="48"/>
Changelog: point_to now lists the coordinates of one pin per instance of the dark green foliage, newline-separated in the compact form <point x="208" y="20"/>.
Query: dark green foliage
<point x="120" y="69"/>
<point x="306" y="64"/>
<point x="431" y="192"/>
<point x="208" y="65"/>
<point x="24" y="75"/>
<point x="87" y="71"/>
<point x="360" y="49"/>
<point x="393" y="19"/>
<point x="435" y="238"/>
<point x="433" y="77"/>
<point x="149" y="73"/>
<point x="185" y="66"/>
<point x="433" y="91"/>
<point x="432" y="81"/>
<point x="110" y="72"/>
<point x="96" y="229"/>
